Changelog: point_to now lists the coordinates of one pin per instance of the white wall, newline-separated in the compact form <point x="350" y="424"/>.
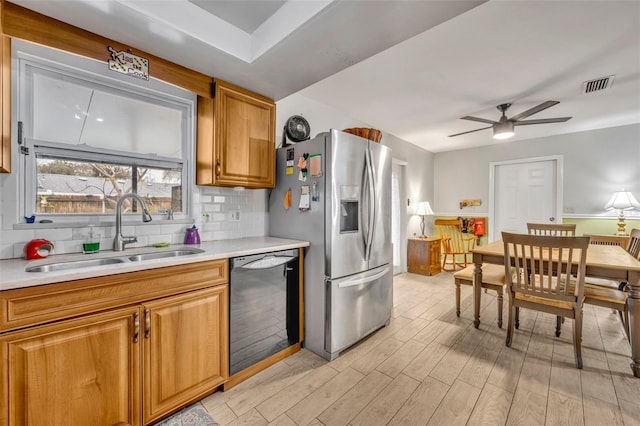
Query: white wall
<point x="596" y="163"/>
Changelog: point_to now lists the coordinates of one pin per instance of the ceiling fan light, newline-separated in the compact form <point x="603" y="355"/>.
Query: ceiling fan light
<point x="503" y="130"/>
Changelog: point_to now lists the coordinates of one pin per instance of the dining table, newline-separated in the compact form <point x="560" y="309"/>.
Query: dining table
<point x="604" y="261"/>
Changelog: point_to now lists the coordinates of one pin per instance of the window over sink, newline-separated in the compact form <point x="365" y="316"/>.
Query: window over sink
<point x="90" y="135"/>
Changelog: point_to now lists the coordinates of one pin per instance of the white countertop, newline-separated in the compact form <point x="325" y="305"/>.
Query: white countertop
<point x="13" y="274"/>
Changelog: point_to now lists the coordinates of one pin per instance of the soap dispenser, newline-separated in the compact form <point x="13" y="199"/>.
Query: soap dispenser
<point x="91" y="243"/>
<point x="192" y="236"/>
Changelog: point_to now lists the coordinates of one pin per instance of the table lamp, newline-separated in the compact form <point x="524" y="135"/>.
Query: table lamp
<point x="622" y="200"/>
<point x="423" y="209"/>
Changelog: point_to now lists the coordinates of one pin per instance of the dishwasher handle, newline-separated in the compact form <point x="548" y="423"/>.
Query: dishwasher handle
<point x="267" y="262"/>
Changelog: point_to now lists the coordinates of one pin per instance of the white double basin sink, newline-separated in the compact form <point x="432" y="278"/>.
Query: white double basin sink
<point x="113" y="258"/>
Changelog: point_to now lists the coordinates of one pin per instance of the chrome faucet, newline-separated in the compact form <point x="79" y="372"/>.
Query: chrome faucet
<point x="119" y="241"/>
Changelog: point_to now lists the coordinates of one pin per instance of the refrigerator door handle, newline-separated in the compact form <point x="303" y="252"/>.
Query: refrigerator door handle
<point x="371" y="211"/>
<point x="363" y="188"/>
<point x="358" y="281"/>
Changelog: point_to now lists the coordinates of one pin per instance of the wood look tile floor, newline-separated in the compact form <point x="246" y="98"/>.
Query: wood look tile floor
<point x="429" y="367"/>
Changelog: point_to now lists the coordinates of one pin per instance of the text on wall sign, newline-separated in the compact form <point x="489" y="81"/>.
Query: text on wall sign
<point x="129" y="64"/>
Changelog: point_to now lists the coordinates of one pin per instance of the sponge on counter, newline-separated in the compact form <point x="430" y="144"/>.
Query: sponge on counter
<point x="160" y="244"/>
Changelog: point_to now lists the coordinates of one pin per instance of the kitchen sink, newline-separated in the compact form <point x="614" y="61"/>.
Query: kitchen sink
<point x="164" y="254"/>
<point x="88" y="263"/>
<point x="61" y="266"/>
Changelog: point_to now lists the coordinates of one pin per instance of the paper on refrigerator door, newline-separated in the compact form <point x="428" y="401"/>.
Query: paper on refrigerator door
<point x="315" y="167"/>
<point x="304" y="203"/>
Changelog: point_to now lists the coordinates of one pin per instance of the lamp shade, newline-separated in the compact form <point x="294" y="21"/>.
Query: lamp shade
<point x="424" y="209"/>
<point x="622" y="200"/>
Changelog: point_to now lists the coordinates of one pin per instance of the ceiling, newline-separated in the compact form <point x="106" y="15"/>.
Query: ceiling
<point x="409" y="68"/>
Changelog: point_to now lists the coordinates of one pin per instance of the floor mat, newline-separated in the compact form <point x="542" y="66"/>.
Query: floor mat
<point x="193" y="415"/>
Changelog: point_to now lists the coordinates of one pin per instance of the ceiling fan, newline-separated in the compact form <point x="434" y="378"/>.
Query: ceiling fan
<point x="503" y="129"/>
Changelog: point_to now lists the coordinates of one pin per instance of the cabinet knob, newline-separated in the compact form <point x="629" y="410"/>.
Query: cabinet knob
<point x="217" y="168"/>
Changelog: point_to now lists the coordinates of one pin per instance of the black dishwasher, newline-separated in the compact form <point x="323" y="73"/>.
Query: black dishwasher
<point x="264" y="306"/>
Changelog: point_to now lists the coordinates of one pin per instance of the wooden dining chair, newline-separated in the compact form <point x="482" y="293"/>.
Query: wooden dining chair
<point x="552" y="229"/>
<point x="606" y="295"/>
<point x="611" y="298"/>
<point x="456" y="248"/>
<point x="608" y="240"/>
<point x="492" y="279"/>
<point x="605" y="292"/>
<point x="539" y="277"/>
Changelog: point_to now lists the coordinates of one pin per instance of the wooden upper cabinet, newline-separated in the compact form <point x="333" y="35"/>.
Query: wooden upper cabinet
<point x="236" y="138"/>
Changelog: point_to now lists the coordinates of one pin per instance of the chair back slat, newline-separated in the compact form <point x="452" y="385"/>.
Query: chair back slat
<point x="543" y="266"/>
<point x="634" y="243"/>
<point x="552" y="230"/>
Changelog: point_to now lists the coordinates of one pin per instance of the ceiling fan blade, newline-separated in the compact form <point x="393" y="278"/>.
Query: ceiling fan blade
<point x="542" y="121"/>
<point x="481" y="120"/>
<point x="534" y="110"/>
<point x="470" y="131"/>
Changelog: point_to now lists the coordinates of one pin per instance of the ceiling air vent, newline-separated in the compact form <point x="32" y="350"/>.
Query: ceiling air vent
<point x="597" y="84"/>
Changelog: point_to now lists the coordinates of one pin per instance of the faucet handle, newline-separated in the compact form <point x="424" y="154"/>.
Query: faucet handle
<point x="129" y="240"/>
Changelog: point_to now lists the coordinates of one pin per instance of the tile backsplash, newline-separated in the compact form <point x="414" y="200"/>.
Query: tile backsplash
<point x="226" y="213"/>
<point x="219" y="213"/>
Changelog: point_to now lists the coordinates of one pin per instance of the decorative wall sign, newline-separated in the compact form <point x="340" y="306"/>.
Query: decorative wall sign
<point x="469" y="203"/>
<point x="129" y="64"/>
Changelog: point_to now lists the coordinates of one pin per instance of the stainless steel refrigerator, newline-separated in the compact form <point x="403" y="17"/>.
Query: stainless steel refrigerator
<point x="341" y="203"/>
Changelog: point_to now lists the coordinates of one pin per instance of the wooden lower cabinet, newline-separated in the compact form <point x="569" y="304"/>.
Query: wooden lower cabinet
<point x="125" y="366"/>
<point x="84" y="371"/>
<point x="185" y="349"/>
<point x="423" y="256"/>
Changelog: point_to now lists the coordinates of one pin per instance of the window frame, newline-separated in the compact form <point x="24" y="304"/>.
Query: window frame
<point x="96" y="74"/>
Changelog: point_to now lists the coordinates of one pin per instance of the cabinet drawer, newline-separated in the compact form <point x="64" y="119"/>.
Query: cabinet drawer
<point x="36" y="305"/>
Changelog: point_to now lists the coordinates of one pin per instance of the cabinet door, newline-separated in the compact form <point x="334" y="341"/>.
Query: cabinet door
<point x="245" y="127"/>
<point x="185" y="349"/>
<point x="434" y="257"/>
<point x="77" y="372"/>
<point x="236" y="139"/>
<point x="418" y="257"/>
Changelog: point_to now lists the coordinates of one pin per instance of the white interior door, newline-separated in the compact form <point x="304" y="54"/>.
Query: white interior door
<point x="528" y="190"/>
